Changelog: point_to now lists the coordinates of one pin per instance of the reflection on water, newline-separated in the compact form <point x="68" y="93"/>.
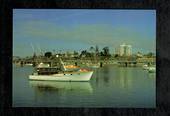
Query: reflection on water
<point x="110" y="86"/>
<point x="61" y="86"/>
<point x="108" y="75"/>
<point x="125" y="80"/>
<point x="151" y="75"/>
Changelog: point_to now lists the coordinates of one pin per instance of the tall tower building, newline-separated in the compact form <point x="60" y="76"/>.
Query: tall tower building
<point x="125" y="50"/>
<point x="128" y="50"/>
<point x="122" y="49"/>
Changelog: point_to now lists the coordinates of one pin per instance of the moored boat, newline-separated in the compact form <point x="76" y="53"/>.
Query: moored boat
<point x="29" y="64"/>
<point x="93" y="66"/>
<point x="152" y="69"/>
<point x="60" y="73"/>
<point x="63" y="76"/>
<point x="145" y="67"/>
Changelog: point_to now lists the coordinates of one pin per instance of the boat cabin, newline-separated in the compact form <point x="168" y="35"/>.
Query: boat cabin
<point x="48" y="70"/>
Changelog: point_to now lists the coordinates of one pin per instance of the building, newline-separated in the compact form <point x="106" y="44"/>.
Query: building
<point x="139" y="55"/>
<point x="125" y="50"/>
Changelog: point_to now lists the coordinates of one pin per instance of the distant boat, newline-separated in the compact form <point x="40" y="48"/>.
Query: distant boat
<point x="60" y="73"/>
<point x="145" y="67"/>
<point x="93" y="65"/>
<point x="29" y="64"/>
<point x="152" y="69"/>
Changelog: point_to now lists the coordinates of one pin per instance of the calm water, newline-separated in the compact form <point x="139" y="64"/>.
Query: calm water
<point x="110" y="86"/>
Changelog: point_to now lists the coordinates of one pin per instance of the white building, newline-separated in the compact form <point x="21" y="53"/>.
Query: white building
<point x="125" y="50"/>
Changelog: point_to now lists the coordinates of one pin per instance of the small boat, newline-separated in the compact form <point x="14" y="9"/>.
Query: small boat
<point x="29" y="64"/>
<point x="60" y="73"/>
<point x="152" y="69"/>
<point x="93" y="66"/>
<point x="145" y="67"/>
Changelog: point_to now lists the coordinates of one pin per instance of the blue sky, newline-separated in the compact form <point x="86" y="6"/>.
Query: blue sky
<point x="75" y="29"/>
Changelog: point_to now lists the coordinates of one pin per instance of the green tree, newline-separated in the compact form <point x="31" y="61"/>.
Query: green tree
<point x="106" y="52"/>
<point x="150" y="54"/>
<point x="48" y="54"/>
<point x="83" y="53"/>
<point x="92" y="50"/>
<point x="116" y="55"/>
<point x="97" y="50"/>
<point x="76" y="54"/>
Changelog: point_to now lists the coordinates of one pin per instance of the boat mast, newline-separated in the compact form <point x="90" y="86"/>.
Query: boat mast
<point x="62" y="63"/>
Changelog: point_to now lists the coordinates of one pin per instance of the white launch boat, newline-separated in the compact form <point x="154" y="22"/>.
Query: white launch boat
<point x="48" y="73"/>
<point x="63" y="76"/>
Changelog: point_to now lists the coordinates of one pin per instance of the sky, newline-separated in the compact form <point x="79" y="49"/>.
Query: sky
<point x="55" y="30"/>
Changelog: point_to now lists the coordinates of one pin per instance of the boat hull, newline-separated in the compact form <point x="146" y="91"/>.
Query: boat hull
<point x="79" y="76"/>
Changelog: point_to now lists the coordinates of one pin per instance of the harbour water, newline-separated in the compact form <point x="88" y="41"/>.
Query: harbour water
<point x="110" y="86"/>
